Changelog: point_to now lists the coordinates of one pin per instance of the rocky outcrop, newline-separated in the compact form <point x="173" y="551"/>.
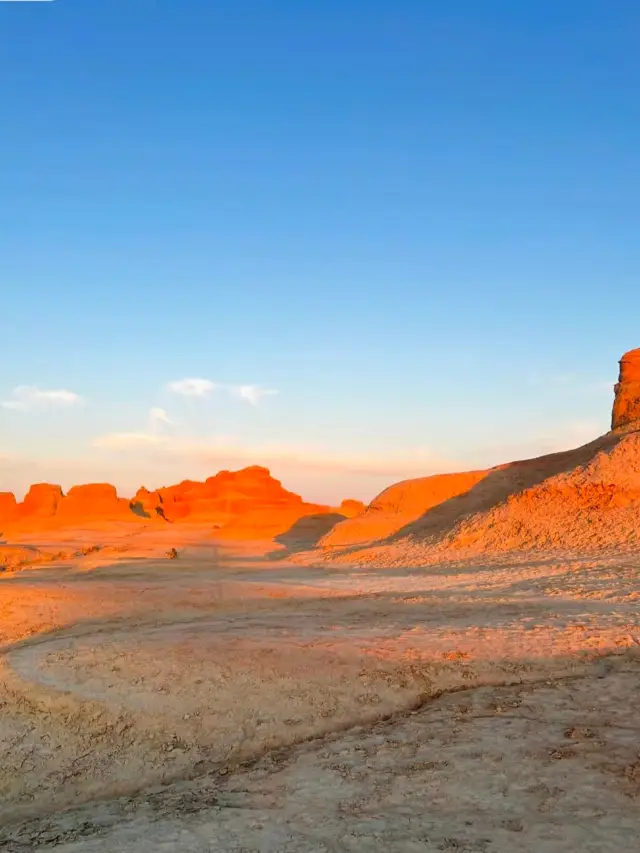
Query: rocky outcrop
<point x="8" y="507"/>
<point x="249" y="503"/>
<point x="350" y="508"/>
<point x="626" y="406"/>
<point x="148" y="504"/>
<point x="92" y="501"/>
<point x="228" y="494"/>
<point x="217" y="501"/>
<point x="41" y="501"/>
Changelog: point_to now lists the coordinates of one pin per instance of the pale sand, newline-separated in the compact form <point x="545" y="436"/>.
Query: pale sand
<point x="224" y="702"/>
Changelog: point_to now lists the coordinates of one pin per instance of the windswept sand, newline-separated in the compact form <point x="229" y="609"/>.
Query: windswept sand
<point x="223" y="701"/>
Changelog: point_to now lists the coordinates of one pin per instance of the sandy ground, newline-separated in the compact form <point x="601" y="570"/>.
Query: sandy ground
<point x="225" y="702"/>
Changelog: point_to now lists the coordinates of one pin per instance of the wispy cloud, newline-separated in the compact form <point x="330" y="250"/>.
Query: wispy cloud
<point x="192" y="387"/>
<point x="26" y="397"/>
<point x="157" y="417"/>
<point x="252" y="393"/>
<point x="151" y="437"/>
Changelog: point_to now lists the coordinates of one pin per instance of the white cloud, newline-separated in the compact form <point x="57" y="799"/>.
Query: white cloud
<point x="252" y="393"/>
<point x="139" y="439"/>
<point x="158" y="416"/>
<point x="192" y="387"/>
<point x="26" y="397"/>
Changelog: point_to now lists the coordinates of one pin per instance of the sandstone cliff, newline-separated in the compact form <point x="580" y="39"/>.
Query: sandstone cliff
<point x="8" y="507"/>
<point x="626" y="407"/>
<point x="94" y="500"/>
<point x="41" y="501"/>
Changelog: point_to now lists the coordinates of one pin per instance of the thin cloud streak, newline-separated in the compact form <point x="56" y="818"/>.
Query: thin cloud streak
<point x="192" y="387"/>
<point x="252" y="393"/>
<point x="26" y="397"/>
<point x="157" y="417"/>
<point x="198" y="387"/>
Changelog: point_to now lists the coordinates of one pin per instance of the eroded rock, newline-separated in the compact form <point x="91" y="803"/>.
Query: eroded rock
<point x="626" y="406"/>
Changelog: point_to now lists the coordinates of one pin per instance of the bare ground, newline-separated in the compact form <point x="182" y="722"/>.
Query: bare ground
<point x="220" y="702"/>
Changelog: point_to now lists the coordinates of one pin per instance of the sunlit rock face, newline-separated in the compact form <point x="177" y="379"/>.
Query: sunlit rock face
<point x="8" y="507"/>
<point x="41" y="501"/>
<point x="626" y="406"/>
<point x="92" y="500"/>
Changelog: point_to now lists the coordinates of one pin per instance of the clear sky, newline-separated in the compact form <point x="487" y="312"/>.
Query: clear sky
<point x="417" y="222"/>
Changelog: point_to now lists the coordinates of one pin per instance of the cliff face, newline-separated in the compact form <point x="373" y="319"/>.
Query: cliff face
<point x="626" y="406"/>
<point x="41" y="501"/>
<point x="8" y="507"/>
<point x="94" y="500"/>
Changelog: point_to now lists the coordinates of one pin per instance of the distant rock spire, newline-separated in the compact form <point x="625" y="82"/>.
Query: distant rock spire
<point x="626" y="406"/>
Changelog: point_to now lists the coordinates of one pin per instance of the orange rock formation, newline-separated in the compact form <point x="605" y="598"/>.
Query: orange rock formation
<point x="94" y="500"/>
<point x="248" y="503"/>
<point x="349" y="508"/>
<point x="626" y="407"/>
<point x="226" y="495"/>
<point x="8" y="507"/>
<point x="41" y="501"/>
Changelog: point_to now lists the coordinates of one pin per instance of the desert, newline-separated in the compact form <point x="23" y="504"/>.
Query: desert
<point x="222" y="665"/>
<point x="320" y="426"/>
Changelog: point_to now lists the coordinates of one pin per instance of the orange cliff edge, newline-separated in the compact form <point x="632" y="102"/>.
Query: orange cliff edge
<point x="626" y="406"/>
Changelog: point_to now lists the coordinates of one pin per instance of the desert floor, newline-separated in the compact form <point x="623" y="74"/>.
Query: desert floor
<point x="223" y="701"/>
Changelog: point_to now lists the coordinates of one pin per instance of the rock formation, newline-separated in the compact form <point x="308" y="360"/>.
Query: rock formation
<point x="228" y="494"/>
<point x="250" y="502"/>
<point x="349" y="508"/>
<point x="148" y="504"/>
<point x="41" y="501"/>
<point x="8" y="507"/>
<point x="626" y="406"/>
<point x="92" y="501"/>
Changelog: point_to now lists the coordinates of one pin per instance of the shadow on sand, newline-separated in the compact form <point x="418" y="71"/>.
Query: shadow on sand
<point x="305" y="533"/>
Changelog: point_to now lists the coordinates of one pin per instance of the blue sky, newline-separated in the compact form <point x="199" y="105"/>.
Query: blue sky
<point x="416" y="222"/>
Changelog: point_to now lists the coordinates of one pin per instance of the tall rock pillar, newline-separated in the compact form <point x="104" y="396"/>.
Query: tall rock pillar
<point x="626" y="406"/>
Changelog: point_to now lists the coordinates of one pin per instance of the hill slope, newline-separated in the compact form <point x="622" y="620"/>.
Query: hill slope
<point x="587" y="498"/>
